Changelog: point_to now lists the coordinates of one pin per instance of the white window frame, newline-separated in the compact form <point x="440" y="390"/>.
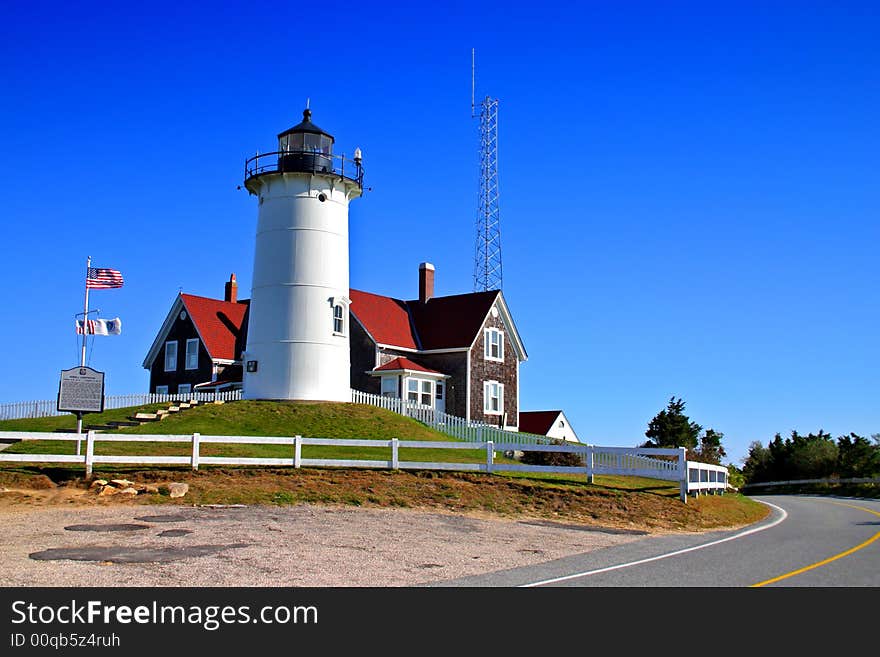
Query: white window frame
<point x="161" y="390"/>
<point x="168" y="344"/>
<point x="409" y="391"/>
<point x="488" y="396"/>
<point x="188" y="387"/>
<point x="186" y="358"/>
<point x="423" y="390"/>
<point x="393" y="380"/>
<point x="342" y="304"/>
<point x="489" y="341"/>
<point x="426" y="391"/>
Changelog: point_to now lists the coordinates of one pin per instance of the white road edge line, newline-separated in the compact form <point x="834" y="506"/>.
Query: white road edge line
<point x="664" y="556"/>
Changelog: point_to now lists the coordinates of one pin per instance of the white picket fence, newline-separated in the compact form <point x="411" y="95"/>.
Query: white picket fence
<point x="48" y="407"/>
<point x="451" y="425"/>
<point x="596" y="460"/>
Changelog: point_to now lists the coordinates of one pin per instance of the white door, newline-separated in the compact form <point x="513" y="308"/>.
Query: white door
<point x="440" y="396"/>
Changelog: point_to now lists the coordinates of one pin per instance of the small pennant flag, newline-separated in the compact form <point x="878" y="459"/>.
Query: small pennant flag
<point x="99" y="326"/>
<point x="102" y="279"/>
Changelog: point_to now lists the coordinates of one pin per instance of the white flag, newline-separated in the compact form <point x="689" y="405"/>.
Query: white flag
<point x="99" y="326"/>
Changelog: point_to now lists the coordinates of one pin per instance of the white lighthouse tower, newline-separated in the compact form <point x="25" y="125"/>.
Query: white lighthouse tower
<point x="298" y="326"/>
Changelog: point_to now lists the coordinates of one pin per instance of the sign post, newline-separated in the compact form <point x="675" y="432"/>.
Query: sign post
<point x="81" y="390"/>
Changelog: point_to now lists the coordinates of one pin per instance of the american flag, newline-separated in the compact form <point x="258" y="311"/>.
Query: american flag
<point x="103" y="279"/>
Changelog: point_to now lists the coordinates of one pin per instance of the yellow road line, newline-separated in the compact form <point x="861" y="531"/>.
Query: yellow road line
<point x="830" y="559"/>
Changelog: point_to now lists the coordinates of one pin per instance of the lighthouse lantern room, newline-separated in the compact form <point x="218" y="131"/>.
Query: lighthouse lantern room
<point x="298" y="326"/>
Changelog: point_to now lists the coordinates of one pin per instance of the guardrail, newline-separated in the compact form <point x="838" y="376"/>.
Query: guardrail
<point x="828" y="480"/>
<point x="596" y="460"/>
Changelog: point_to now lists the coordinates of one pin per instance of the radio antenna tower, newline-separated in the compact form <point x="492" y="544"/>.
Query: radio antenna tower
<point x="487" y="260"/>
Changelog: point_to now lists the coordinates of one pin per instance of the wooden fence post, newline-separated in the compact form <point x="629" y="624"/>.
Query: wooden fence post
<point x="297" y="451"/>
<point x="683" y="473"/>
<point x="195" y="450"/>
<point x="588" y="457"/>
<point x="395" y="454"/>
<point x="490" y="455"/>
<point x="90" y="451"/>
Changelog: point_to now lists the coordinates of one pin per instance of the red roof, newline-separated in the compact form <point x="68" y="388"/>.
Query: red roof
<point x="453" y="321"/>
<point x="539" y="422"/>
<point x="441" y="323"/>
<point x="221" y="324"/>
<point x="386" y="319"/>
<point x="404" y="364"/>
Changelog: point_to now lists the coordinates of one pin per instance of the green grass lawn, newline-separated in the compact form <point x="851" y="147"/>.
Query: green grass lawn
<point x="308" y="419"/>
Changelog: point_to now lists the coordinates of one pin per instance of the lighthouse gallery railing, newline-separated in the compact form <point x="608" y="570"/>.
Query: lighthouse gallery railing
<point x="309" y="162"/>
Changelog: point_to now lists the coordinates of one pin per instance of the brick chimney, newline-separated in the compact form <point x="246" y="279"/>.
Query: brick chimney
<point x="426" y="281"/>
<point x="231" y="291"/>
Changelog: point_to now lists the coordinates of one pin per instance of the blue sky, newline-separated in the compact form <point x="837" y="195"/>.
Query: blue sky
<point x="689" y="191"/>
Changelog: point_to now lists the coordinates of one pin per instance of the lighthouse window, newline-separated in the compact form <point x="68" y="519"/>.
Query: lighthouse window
<point x="338" y="319"/>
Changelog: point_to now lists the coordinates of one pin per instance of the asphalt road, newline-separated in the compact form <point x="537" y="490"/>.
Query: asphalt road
<point x="806" y="541"/>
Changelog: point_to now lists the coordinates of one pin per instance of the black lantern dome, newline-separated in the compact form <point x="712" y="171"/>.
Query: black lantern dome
<point x="305" y="147"/>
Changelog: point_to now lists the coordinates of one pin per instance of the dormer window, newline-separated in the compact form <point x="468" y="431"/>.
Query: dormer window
<point x="494" y="344"/>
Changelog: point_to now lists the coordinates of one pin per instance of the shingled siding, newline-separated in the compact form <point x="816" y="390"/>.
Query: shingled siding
<point x="455" y="365"/>
<point x="363" y="359"/>
<point x="182" y="330"/>
<point x="490" y="370"/>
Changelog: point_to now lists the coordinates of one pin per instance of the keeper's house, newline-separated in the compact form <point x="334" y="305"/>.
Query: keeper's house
<point x="460" y="354"/>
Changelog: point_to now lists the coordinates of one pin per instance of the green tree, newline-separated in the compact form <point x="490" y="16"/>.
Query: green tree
<point x="757" y="465"/>
<point x="813" y="456"/>
<point x="672" y="428"/>
<point x="857" y="456"/>
<point x="735" y="476"/>
<point x="710" y="450"/>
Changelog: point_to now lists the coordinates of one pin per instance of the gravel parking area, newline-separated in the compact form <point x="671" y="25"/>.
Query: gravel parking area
<point x="303" y="545"/>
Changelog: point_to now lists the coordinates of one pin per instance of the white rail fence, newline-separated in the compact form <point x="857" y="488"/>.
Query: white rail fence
<point x="642" y="462"/>
<point x="48" y="407"/>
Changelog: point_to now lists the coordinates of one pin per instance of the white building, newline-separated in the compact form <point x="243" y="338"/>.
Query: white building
<point x="298" y="328"/>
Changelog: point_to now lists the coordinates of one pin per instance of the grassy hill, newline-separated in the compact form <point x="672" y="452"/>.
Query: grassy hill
<point x="616" y="501"/>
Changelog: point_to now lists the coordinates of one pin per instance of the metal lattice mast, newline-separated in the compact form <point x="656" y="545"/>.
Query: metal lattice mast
<point x="487" y="261"/>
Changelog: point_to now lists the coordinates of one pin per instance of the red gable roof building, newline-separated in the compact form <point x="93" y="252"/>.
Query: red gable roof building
<point x="199" y="344"/>
<point x="459" y="354"/>
<point x="553" y="424"/>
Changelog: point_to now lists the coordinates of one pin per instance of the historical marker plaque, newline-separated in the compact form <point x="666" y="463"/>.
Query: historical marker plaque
<point x="81" y="390"/>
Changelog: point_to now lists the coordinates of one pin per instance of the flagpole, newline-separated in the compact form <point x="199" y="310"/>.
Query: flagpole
<point x="82" y="362"/>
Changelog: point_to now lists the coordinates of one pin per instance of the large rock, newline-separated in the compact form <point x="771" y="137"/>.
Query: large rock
<point x="98" y="482"/>
<point x="177" y="489"/>
<point x="108" y="490"/>
<point x="122" y="483"/>
<point x="128" y="491"/>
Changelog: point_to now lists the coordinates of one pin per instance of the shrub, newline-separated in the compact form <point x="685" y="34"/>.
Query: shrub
<point x="554" y="458"/>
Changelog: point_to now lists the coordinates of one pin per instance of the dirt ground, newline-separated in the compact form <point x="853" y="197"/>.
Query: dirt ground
<point x="300" y="545"/>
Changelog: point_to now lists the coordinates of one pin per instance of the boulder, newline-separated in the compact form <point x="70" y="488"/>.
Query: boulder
<point x="176" y="489"/>
<point x="148" y="489"/>
<point x="128" y="491"/>
<point x="108" y="490"/>
<point x="98" y="482"/>
<point x="121" y="483"/>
